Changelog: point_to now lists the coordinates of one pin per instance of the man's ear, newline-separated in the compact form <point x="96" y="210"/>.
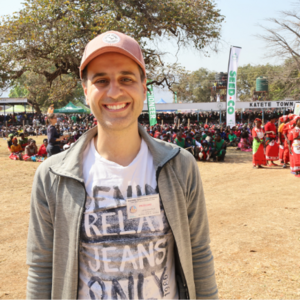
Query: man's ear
<point x="145" y="88"/>
<point x="84" y="86"/>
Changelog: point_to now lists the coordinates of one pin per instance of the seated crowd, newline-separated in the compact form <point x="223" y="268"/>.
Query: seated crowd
<point x="205" y="142"/>
<point x="22" y="147"/>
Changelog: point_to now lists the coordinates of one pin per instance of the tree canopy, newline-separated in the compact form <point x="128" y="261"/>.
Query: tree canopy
<point x="47" y="37"/>
<point x="195" y="86"/>
<point x="283" y="42"/>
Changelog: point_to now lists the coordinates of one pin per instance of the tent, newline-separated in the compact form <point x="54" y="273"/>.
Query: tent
<point x="81" y="105"/>
<point x="70" y="108"/>
<point x="161" y="101"/>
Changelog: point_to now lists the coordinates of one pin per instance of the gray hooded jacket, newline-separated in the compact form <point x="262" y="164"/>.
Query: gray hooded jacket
<point x="57" y="205"/>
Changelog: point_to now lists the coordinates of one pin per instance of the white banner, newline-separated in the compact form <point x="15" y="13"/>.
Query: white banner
<point x="231" y="85"/>
<point x="297" y="109"/>
<point x="216" y="106"/>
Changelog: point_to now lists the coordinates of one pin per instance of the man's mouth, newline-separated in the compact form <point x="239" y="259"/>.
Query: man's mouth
<point x="116" y="107"/>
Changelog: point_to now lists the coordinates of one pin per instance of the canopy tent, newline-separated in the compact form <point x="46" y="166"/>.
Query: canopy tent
<point x="86" y="108"/>
<point x="161" y="101"/>
<point x="70" y="108"/>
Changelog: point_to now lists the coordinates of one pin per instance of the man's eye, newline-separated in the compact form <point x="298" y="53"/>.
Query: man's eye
<point x="127" y="79"/>
<point x="101" y="81"/>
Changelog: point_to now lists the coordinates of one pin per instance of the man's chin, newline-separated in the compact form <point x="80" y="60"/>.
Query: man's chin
<point x="117" y="125"/>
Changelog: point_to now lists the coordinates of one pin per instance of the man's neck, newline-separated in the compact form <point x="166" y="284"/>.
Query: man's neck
<point x="120" y="147"/>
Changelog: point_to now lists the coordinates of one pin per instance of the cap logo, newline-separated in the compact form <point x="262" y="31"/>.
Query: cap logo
<point x="111" y="38"/>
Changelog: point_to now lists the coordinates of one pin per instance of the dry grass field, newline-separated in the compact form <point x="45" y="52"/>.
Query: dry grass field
<point x="254" y="220"/>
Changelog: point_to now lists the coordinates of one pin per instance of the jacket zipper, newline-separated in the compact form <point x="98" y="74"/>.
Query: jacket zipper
<point x="180" y="266"/>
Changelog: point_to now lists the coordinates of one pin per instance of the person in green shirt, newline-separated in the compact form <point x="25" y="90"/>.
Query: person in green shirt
<point x="23" y="141"/>
<point x="179" y="140"/>
<point x="74" y="119"/>
<point x="204" y="135"/>
<point x="219" y="149"/>
<point x="232" y="139"/>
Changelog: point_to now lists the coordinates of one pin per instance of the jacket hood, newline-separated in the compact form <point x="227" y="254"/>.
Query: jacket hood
<point x="70" y="163"/>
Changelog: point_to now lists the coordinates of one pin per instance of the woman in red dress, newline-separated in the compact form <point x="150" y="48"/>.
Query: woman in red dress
<point x="295" y="139"/>
<point x="287" y="145"/>
<point x="272" y="147"/>
<point x="281" y="138"/>
<point x="259" y="157"/>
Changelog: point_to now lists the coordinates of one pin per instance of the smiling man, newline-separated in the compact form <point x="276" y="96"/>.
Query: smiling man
<point x="120" y="214"/>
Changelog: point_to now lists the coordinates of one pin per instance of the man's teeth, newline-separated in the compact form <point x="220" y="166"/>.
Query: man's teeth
<point x="116" y="106"/>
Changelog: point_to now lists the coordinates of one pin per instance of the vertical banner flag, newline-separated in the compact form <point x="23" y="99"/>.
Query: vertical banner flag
<point x="297" y="109"/>
<point x="175" y="97"/>
<point x="231" y="85"/>
<point x="151" y="105"/>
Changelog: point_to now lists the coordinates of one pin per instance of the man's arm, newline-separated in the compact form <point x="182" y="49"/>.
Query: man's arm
<point x="39" y="243"/>
<point x="203" y="262"/>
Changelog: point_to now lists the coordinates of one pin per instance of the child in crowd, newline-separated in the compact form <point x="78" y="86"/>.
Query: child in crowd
<point x="43" y="149"/>
<point x="30" y="151"/>
<point x="16" y="150"/>
<point x="245" y="144"/>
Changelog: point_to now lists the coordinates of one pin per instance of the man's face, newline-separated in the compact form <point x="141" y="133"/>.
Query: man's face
<point x="114" y="91"/>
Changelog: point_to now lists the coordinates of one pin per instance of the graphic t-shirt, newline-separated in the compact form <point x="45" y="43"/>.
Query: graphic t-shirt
<point x="123" y="258"/>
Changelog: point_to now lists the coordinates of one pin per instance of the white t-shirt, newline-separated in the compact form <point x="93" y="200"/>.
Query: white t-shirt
<point x="120" y="257"/>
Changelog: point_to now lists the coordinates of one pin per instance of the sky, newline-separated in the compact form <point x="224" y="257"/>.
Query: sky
<point x="240" y="28"/>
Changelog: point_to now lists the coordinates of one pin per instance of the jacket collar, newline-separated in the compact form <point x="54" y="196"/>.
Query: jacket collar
<point x="72" y="162"/>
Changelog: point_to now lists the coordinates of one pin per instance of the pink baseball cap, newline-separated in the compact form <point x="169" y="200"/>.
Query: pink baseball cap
<point x="112" y="41"/>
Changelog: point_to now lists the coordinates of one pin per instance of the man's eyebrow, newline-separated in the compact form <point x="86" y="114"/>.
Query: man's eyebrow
<point x="104" y="74"/>
<point x="98" y="75"/>
<point x="127" y="73"/>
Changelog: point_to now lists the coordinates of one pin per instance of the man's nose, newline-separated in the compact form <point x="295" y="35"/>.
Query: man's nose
<point x="114" y="89"/>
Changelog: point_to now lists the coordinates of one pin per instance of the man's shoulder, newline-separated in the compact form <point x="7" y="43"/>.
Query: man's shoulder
<point x="45" y="166"/>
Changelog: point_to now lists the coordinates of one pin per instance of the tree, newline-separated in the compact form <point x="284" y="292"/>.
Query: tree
<point x="246" y="80"/>
<point x="47" y="37"/>
<point x="35" y="88"/>
<point x="195" y="86"/>
<point x="283" y="42"/>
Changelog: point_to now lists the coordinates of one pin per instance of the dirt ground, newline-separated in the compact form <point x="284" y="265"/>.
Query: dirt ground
<point x="254" y="227"/>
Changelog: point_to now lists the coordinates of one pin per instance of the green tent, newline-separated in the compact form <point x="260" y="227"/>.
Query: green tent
<point x="81" y="105"/>
<point x="70" y="108"/>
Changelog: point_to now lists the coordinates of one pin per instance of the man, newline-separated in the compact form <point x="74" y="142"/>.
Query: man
<point x="219" y="149"/>
<point x="120" y="214"/>
<point x="179" y="140"/>
<point x="232" y="139"/>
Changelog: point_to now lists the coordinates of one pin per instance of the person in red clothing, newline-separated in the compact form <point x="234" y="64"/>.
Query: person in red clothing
<point x="281" y="138"/>
<point x="237" y="132"/>
<point x="43" y="149"/>
<point x="272" y="147"/>
<point x="259" y="157"/>
<point x="296" y="147"/>
<point x="287" y="146"/>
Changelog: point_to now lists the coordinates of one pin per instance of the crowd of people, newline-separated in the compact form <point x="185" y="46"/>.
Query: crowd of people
<point x="22" y="147"/>
<point x="277" y="140"/>
<point x="207" y="142"/>
<point x="35" y="119"/>
<point x="285" y="147"/>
